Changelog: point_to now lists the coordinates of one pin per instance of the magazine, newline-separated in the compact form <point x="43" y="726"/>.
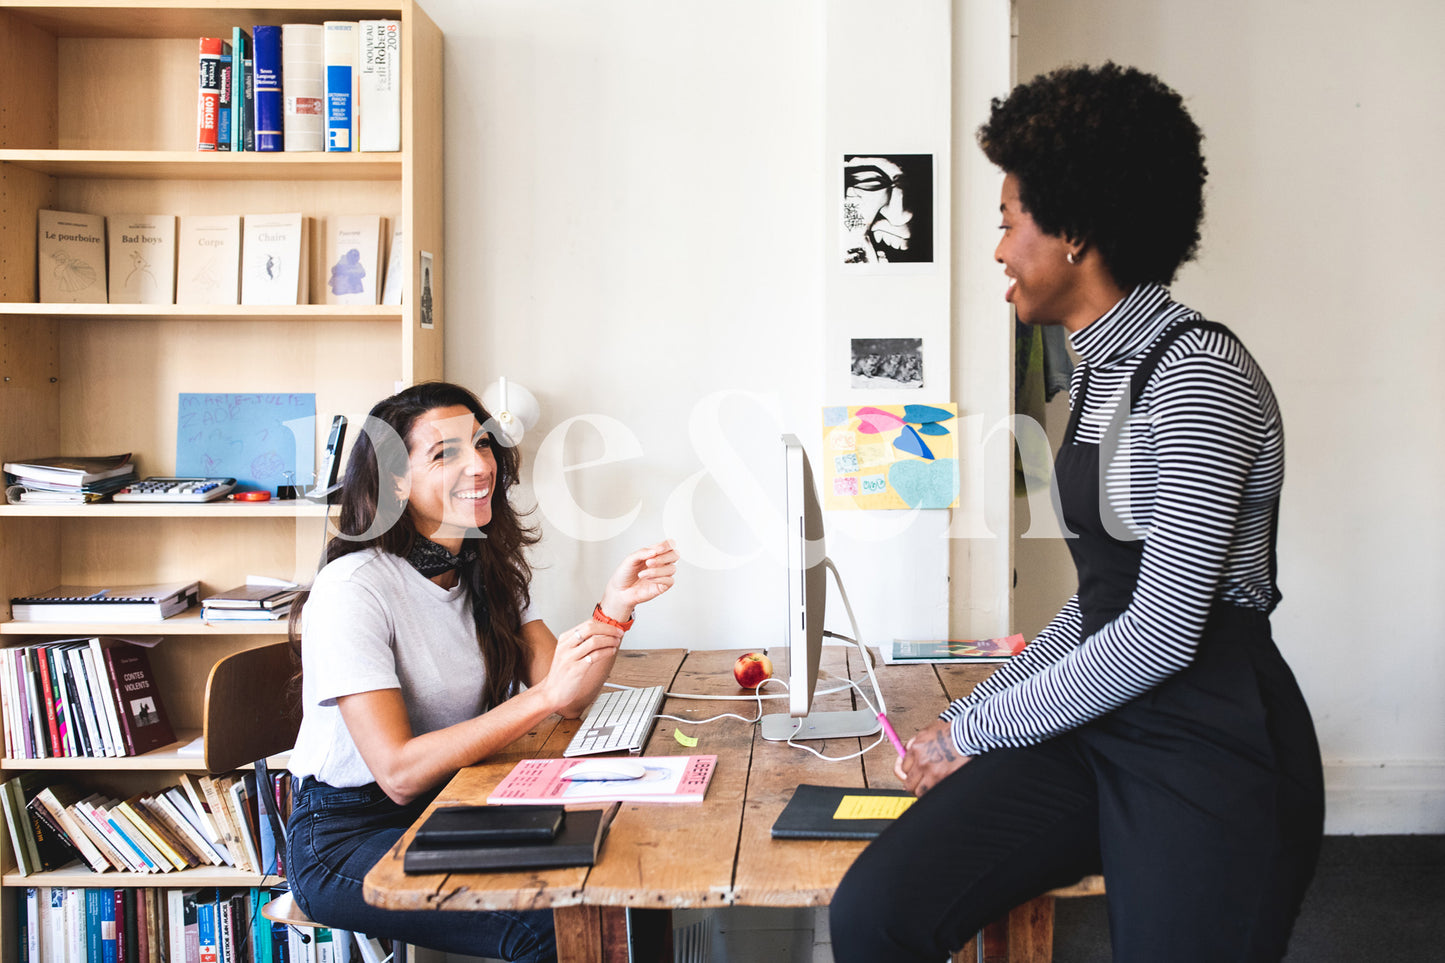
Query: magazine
<point x="903" y="651"/>
<point x="664" y="779"/>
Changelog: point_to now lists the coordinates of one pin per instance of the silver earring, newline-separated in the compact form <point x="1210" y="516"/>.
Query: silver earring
<point x="1071" y="257"/>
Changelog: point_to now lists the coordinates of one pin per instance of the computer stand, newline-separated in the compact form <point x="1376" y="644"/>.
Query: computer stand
<point x="838" y="724"/>
<point x="824" y="723"/>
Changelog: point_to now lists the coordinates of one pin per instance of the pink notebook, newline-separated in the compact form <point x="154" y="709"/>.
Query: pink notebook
<point x="668" y="779"/>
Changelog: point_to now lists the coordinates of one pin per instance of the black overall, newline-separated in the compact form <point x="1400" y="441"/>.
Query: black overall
<point x="1201" y="801"/>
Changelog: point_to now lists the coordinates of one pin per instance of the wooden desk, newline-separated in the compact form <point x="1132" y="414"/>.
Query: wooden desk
<point x="672" y="856"/>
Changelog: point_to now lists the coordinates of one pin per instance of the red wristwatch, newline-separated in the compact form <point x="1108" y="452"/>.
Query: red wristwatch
<point x="600" y="616"/>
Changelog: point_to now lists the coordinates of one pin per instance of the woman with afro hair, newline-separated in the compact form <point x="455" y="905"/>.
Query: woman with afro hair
<point x="1152" y="731"/>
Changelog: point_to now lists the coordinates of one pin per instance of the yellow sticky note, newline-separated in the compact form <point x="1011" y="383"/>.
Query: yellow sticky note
<point x="872" y="807"/>
<point x="688" y="741"/>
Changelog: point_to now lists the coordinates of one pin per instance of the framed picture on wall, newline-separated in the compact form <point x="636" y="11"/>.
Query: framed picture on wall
<point x="887" y="209"/>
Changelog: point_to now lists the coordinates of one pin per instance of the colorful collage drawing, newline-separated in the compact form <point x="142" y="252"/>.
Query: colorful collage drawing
<point x="890" y="456"/>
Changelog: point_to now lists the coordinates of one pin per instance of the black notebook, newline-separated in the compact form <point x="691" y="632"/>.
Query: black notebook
<point x="839" y="812"/>
<point x="577" y="843"/>
<point x="483" y="825"/>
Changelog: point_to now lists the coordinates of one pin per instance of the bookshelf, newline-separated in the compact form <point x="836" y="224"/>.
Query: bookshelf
<point x="100" y="117"/>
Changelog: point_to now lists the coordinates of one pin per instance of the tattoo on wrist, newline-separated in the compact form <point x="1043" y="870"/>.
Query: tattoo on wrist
<point x="940" y="749"/>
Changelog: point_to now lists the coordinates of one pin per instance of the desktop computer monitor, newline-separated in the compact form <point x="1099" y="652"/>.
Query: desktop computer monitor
<point x="807" y="602"/>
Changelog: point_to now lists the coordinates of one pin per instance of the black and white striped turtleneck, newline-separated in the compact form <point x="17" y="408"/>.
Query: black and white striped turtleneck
<point x="1199" y="472"/>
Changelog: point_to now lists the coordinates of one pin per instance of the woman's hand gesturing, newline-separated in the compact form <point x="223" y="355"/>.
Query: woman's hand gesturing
<point x="642" y="577"/>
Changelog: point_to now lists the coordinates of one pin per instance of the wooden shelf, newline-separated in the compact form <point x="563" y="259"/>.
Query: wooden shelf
<point x="220" y="509"/>
<point x="187" y="623"/>
<point x="171" y="165"/>
<point x="184" y="18"/>
<point x="173" y="758"/>
<point x="206" y="312"/>
<point x="77" y="875"/>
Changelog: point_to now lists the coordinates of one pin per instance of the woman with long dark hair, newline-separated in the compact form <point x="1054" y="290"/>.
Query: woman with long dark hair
<point x="421" y="655"/>
<point x="1152" y="731"/>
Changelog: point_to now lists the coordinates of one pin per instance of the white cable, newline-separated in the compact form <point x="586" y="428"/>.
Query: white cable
<point x="879" y="710"/>
<point x="758" y="695"/>
<point x="847" y="684"/>
<point x="857" y="636"/>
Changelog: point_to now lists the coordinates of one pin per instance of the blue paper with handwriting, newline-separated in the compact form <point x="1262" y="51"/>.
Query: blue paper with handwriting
<point x="261" y="440"/>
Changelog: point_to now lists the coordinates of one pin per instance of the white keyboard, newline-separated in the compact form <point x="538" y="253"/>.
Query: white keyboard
<point x="619" y="719"/>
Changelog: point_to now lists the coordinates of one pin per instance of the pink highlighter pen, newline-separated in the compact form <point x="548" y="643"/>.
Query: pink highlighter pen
<point x="892" y="736"/>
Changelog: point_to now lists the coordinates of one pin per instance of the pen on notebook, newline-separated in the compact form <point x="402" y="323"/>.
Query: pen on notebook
<point x="892" y="736"/>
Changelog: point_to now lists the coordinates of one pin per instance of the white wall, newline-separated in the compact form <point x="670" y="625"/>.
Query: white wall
<point x="1322" y="250"/>
<point x="634" y="226"/>
<point x="637" y="223"/>
<point x="631" y="230"/>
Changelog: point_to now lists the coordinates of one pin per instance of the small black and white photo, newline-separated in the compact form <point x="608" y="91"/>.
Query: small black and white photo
<point x="887" y="209"/>
<point x="427" y="319"/>
<point x="143" y="711"/>
<point x="886" y="363"/>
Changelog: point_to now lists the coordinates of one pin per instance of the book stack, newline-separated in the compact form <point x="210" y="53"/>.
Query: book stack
<point x="487" y="838"/>
<point x="95" y="603"/>
<point x="63" y="479"/>
<point x="250" y="603"/>
<point x="202" y="822"/>
<point x="333" y="86"/>
<point x="81" y="698"/>
<point x="183" y="925"/>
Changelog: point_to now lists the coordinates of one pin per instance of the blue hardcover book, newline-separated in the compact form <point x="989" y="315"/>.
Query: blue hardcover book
<point x="109" y="937"/>
<point x="208" y="930"/>
<point x="280" y="943"/>
<point x="227" y="101"/>
<point x="270" y="107"/>
<point x="94" y="898"/>
<point x="260" y="926"/>
<point x="265" y="829"/>
<point x="341" y="48"/>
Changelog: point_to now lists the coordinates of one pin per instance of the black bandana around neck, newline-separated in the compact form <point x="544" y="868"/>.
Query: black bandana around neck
<point x="431" y="559"/>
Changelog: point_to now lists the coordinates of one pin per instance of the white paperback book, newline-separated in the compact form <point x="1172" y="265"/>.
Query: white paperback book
<point x="343" y="83"/>
<point x="208" y="259"/>
<point x="142" y="258"/>
<point x="380" y="85"/>
<point x="353" y="258"/>
<point x="71" y="251"/>
<point x="303" y="86"/>
<point x="392" y="287"/>
<point x="273" y="259"/>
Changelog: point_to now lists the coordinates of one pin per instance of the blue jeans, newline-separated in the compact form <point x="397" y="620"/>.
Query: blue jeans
<point x="334" y="836"/>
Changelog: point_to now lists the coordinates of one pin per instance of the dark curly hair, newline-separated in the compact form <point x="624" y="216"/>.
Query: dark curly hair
<point x="1107" y="156"/>
<point x="497" y="582"/>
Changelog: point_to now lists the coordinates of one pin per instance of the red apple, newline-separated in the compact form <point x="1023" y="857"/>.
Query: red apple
<point x="753" y="669"/>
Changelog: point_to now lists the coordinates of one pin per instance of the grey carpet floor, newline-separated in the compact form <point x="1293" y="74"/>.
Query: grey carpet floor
<point x="1374" y="899"/>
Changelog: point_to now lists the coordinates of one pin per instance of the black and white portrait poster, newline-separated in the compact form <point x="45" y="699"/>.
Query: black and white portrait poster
<point x="887" y="209"/>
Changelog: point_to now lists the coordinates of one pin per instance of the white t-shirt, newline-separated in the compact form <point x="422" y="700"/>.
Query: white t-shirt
<point x="374" y="622"/>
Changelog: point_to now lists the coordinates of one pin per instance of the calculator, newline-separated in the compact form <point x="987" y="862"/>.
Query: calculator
<point x="170" y="488"/>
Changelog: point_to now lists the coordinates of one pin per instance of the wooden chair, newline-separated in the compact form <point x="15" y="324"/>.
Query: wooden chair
<point x="250" y="717"/>
<point x="1026" y="935"/>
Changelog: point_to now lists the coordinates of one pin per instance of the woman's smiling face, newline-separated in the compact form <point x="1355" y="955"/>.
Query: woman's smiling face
<point x="452" y="475"/>
<point x="1041" y="280"/>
